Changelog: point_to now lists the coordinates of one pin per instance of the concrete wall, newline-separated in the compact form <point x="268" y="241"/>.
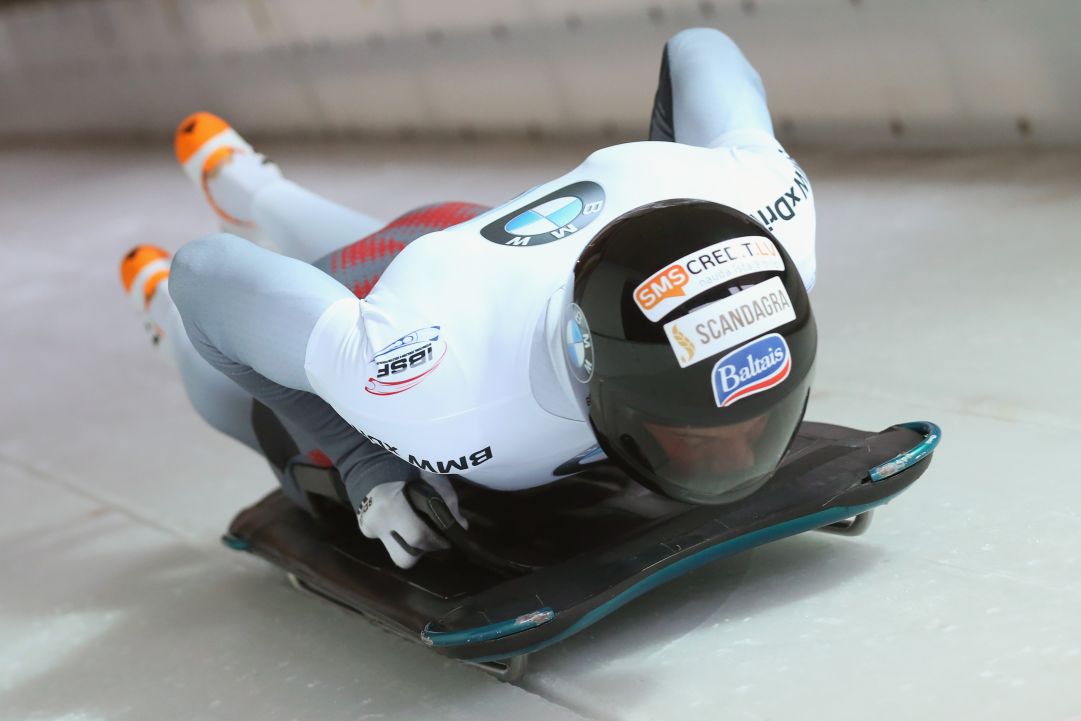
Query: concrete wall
<point x="918" y="73"/>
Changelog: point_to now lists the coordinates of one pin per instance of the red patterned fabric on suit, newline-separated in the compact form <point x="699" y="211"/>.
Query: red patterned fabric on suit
<point x="358" y="266"/>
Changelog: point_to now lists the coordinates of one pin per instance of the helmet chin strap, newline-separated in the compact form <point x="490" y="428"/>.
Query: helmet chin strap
<point x="549" y="378"/>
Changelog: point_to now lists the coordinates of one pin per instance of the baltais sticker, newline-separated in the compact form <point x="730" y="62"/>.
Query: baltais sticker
<point x="753" y="368"/>
<point x="724" y="324"/>
<point x="696" y="273"/>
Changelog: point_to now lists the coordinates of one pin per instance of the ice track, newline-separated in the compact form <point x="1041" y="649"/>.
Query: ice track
<point x="947" y="290"/>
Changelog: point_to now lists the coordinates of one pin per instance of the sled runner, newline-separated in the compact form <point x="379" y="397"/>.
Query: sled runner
<point x="538" y="566"/>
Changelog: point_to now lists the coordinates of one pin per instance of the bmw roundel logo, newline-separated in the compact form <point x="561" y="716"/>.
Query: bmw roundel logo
<point x="555" y="216"/>
<point x="546" y="217"/>
<point x="578" y="344"/>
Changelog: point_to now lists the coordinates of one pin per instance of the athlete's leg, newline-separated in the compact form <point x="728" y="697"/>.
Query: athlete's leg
<point x="249" y="312"/>
<point x="221" y="403"/>
<point x="253" y="200"/>
<point x="218" y="400"/>
<point x="144" y="273"/>
<point x="707" y="89"/>
<point x="304" y="225"/>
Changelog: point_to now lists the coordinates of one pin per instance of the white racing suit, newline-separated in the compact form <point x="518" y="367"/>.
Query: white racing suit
<point x="453" y="361"/>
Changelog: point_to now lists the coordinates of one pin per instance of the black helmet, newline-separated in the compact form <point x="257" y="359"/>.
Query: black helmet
<point x="690" y="326"/>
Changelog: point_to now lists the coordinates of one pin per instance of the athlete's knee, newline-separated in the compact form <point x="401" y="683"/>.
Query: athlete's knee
<point x="203" y="257"/>
<point x="197" y="261"/>
<point x="206" y="253"/>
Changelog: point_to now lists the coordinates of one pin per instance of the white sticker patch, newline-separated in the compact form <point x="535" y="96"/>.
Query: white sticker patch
<point x="730" y="321"/>
<point x="696" y="273"/>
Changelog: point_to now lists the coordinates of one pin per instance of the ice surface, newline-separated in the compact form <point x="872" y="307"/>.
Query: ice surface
<point x="946" y="291"/>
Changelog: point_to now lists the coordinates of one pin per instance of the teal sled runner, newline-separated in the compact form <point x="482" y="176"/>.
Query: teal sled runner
<point x="538" y="566"/>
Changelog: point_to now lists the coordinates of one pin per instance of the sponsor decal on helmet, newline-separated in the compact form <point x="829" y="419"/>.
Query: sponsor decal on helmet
<point x="578" y="345"/>
<point x="685" y="343"/>
<point x="758" y="366"/>
<point x="406" y="362"/>
<point x="697" y="272"/>
<point x="730" y="321"/>
<point x="555" y="216"/>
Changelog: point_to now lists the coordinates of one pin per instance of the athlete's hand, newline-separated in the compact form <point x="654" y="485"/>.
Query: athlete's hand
<point x="386" y="515"/>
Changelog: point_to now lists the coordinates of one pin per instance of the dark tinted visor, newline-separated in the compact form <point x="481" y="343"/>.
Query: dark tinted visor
<point x="710" y="464"/>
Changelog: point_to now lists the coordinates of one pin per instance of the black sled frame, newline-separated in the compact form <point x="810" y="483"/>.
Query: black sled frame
<point x="539" y="566"/>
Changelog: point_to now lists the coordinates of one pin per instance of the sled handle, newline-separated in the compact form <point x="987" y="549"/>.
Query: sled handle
<point x="431" y="506"/>
<point x="932" y="434"/>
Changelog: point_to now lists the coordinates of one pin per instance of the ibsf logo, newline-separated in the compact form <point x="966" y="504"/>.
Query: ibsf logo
<point x="666" y="284"/>
<point x="406" y="362"/>
<point x="556" y="215"/>
<point x="758" y="366"/>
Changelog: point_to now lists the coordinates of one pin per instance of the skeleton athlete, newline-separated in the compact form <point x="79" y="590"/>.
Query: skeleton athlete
<point x="647" y="309"/>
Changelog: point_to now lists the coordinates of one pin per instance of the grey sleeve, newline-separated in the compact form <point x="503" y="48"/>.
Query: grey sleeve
<point x="249" y="312"/>
<point x="707" y="88"/>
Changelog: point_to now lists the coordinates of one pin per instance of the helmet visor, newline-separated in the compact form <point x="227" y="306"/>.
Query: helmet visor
<point x="711" y="464"/>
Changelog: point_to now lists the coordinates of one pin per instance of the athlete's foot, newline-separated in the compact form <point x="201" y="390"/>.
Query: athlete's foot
<point x="144" y="273"/>
<point x="226" y="169"/>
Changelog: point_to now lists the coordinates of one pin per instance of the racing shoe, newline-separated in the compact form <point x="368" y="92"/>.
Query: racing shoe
<point x="226" y="169"/>
<point x="144" y="273"/>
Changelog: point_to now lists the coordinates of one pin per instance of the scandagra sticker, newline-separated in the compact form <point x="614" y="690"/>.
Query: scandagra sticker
<point x="758" y="366"/>
<point x="552" y="217"/>
<point x="725" y="323"/>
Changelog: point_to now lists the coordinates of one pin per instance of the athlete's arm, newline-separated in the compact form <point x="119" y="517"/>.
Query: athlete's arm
<point x="710" y="96"/>
<point x="707" y="90"/>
